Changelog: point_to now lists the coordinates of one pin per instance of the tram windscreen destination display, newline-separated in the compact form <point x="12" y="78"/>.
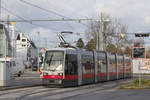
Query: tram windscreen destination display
<point x="138" y="52"/>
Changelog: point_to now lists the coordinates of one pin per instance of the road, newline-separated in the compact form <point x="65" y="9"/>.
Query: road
<point x="25" y="79"/>
<point x="102" y="91"/>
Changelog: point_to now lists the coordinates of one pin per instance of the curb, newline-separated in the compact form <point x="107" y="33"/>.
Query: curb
<point x="18" y="87"/>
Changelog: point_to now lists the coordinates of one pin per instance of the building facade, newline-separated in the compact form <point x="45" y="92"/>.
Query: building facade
<point x="26" y="51"/>
<point x="5" y="46"/>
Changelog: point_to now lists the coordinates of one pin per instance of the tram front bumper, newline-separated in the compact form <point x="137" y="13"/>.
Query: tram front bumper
<point x="52" y="81"/>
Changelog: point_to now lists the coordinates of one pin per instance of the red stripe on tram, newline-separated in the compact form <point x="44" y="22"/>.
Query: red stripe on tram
<point x="53" y="77"/>
<point x="112" y="73"/>
<point x="102" y="74"/>
<point x="88" y="75"/>
<point x="71" y="77"/>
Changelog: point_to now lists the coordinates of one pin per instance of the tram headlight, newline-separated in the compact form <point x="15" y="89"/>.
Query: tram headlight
<point x="45" y="74"/>
<point x="60" y="74"/>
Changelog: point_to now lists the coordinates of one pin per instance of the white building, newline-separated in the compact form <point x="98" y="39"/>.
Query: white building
<point x="5" y="46"/>
<point x="25" y="50"/>
<point x="5" y="54"/>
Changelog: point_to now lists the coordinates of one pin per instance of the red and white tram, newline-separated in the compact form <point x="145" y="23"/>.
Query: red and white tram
<point x="72" y="67"/>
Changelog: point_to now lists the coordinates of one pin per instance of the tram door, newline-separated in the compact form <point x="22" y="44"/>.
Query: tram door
<point x="112" y="67"/>
<point x="101" y="66"/>
<point x="120" y="67"/>
<point x="87" y="61"/>
<point x="71" y="70"/>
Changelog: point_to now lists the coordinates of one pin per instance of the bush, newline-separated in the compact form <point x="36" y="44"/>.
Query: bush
<point x="143" y="81"/>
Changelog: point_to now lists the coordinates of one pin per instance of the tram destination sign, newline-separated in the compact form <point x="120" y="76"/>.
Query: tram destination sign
<point x="142" y="34"/>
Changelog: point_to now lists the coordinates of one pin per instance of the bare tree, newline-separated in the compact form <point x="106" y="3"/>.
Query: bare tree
<point x="110" y="33"/>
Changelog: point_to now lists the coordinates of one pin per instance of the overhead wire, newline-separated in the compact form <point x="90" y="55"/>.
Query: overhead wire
<point x="47" y="10"/>
<point x="76" y="13"/>
<point x="25" y="20"/>
<point x="20" y="17"/>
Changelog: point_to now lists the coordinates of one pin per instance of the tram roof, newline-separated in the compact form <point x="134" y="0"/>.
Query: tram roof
<point x="66" y="49"/>
<point x="60" y="49"/>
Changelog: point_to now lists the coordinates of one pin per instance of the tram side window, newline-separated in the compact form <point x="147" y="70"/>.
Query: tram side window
<point x="120" y="62"/>
<point x="71" y="67"/>
<point x="126" y="63"/>
<point x="87" y="64"/>
<point x="101" y="63"/>
<point x="112" y="65"/>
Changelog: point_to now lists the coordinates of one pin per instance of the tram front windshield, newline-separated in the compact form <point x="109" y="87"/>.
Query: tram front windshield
<point x="54" y="61"/>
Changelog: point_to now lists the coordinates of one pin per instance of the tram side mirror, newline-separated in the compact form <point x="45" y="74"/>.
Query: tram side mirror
<point x="41" y="59"/>
<point x="138" y="52"/>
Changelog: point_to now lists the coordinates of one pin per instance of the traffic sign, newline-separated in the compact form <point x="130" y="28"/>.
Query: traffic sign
<point x="138" y="53"/>
<point x="123" y="35"/>
<point x="12" y="23"/>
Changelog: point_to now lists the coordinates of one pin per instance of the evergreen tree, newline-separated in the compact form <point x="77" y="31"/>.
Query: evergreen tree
<point x="80" y="43"/>
<point x="91" y="45"/>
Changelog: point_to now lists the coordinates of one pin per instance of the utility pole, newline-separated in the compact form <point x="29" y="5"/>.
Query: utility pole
<point x="38" y="47"/>
<point x="8" y="17"/>
<point x="0" y="8"/>
<point x="98" y="40"/>
<point x="45" y="42"/>
<point x="104" y="35"/>
<point x="9" y="34"/>
<point x="100" y="36"/>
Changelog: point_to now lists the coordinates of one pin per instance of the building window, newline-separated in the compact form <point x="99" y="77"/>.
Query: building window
<point x="23" y="45"/>
<point x="23" y="40"/>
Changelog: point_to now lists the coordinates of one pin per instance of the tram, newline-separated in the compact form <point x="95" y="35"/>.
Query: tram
<point x="73" y="67"/>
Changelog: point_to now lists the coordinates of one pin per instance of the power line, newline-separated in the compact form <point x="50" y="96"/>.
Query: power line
<point x="43" y="9"/>
<point x="13" y="14"/>
<point x="55" y="20"/>
<point x="24" y="20"/>
<point x="0" y="9"/>
<point x="47" y="10"/>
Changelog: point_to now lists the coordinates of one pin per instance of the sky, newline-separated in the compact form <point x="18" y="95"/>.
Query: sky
<point x="134" y="13"/>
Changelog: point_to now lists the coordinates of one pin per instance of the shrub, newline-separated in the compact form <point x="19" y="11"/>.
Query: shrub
<point x="143" y="81"/>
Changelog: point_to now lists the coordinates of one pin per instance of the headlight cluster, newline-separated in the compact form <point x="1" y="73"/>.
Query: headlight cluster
<point x="60" y="74"/>
<point x="45" y="74"/>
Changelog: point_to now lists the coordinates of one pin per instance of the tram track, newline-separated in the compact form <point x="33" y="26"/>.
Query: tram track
<point x="68" y="91"/>
<point x="47" y="93"/>
<point x="24" y="90"/>
<point x="101" y="89"/>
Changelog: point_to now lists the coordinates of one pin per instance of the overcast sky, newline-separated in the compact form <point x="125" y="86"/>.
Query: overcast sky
<point x="134" y="13"/>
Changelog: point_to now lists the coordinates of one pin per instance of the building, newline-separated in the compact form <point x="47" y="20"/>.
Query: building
<point x="5" y="45"/>
<point x="141" y="66"/>
<point x="5" y="54"/>
<point x="26" y="51"/>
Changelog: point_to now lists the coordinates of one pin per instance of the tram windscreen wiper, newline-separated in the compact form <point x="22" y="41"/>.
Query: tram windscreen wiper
<point x="50" y="60"/>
